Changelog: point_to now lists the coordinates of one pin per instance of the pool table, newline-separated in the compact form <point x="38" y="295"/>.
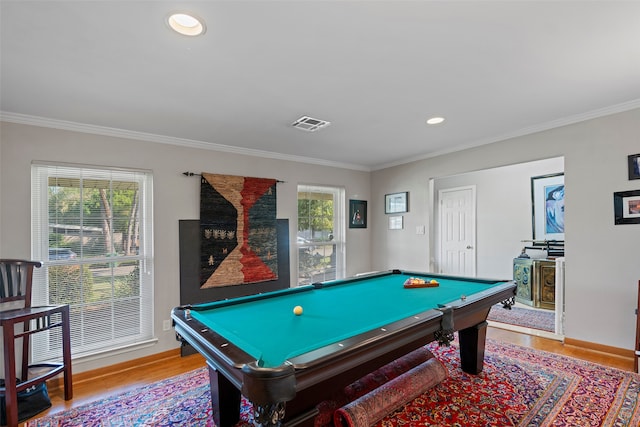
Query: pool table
<point x="258" y="347"/>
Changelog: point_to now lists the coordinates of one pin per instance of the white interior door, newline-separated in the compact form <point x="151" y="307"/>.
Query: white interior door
<point x="457" y="231"/>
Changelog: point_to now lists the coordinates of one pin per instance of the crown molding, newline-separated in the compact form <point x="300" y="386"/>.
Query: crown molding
<point x="162" y="139"/>
<point x="577" y="118"/>
<point x="26" y="119"/>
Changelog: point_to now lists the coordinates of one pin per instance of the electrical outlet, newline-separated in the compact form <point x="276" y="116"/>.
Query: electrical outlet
<point x="166" y="325"/>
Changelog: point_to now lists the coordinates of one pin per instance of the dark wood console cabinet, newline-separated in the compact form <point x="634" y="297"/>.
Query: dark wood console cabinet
<point x="536" y="282"/>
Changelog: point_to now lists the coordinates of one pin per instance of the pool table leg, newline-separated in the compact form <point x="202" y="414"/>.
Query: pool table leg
<point x="225" y="399"/>
<point x="472" y="341"/>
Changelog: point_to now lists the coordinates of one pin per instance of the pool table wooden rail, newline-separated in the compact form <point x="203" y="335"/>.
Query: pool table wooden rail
<point x="303" y="381"/>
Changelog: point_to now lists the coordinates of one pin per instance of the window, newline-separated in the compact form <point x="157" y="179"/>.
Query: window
<point x="92" y="229"/>
<point x="320" y="238"/>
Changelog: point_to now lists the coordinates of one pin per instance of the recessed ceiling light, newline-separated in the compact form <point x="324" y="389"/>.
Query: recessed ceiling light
<point x="435" y="120"/>
<point x="186" y="24"/>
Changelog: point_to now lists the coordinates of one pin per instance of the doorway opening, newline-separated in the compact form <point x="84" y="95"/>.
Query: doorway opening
<point x="499" y="215"/>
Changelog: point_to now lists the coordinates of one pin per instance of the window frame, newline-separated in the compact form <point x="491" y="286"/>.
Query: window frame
<point x="339" y="227"/>
<point x="143" y="259"/>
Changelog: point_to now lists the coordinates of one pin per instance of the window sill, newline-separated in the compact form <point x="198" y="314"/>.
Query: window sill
<point x="98" y="355"/>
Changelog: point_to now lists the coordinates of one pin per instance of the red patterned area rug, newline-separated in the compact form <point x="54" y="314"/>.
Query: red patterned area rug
<point x="524" y="387"/>
<point x="518" y="387"/>
<point x="184" y="400"/>
<point x="525" y="317"/>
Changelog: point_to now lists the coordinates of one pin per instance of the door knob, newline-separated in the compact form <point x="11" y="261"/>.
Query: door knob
<point x="469" y="247"/>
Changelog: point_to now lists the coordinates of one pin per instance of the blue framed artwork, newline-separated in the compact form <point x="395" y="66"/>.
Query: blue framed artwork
<point x="547" y="193"/>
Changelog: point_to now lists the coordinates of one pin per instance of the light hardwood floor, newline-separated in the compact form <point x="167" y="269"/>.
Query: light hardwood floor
<point x="107" y="382"/>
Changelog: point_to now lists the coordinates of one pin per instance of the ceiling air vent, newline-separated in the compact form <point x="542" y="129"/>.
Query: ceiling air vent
<point x="310" y="124"/>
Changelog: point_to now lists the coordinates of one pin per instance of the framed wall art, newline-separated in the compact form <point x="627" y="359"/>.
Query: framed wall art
<point x="396" y="203"/>
<point x="396" y="222"/>
<point x="634" y="166"/>
<point x="626" y="207"/>
<point x="357" y="214"/>
<point x="547" y="193"/>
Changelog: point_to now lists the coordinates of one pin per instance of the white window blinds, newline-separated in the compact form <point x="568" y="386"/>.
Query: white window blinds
<point x="92" y="230"/>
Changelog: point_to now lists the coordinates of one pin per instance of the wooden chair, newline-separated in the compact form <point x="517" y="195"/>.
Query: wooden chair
<point x="15" y="289"/>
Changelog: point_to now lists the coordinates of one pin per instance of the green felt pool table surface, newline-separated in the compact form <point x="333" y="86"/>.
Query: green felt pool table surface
<point x="256" y="346"/>
<point x="266" y="327"/>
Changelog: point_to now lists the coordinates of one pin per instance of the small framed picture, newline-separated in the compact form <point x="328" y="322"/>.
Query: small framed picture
<point x="634" y="166"/>
<point x="396" y="203"/>
<point x="357" y="214"/>
<point x="626" y="207"/>
<point x="395" y="222"/>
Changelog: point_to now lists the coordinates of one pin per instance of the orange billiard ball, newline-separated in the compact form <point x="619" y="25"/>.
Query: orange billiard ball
<point x="297" y="310"/>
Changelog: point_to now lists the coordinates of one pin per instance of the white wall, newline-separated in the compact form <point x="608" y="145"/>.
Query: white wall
<point x="175" y="197"/>
<point x="503" y="212"/>
<point x="0" y="188"/>
<point x="602" y="259"/>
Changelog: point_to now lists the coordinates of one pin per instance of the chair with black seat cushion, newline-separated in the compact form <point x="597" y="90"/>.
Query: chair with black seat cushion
<point x="15" y="309"/>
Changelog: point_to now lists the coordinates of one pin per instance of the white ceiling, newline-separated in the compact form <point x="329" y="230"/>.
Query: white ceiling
<point x="375" y="69"/>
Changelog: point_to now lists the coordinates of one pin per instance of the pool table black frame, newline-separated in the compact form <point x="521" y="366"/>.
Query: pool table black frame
<point x="304" y="381"/>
